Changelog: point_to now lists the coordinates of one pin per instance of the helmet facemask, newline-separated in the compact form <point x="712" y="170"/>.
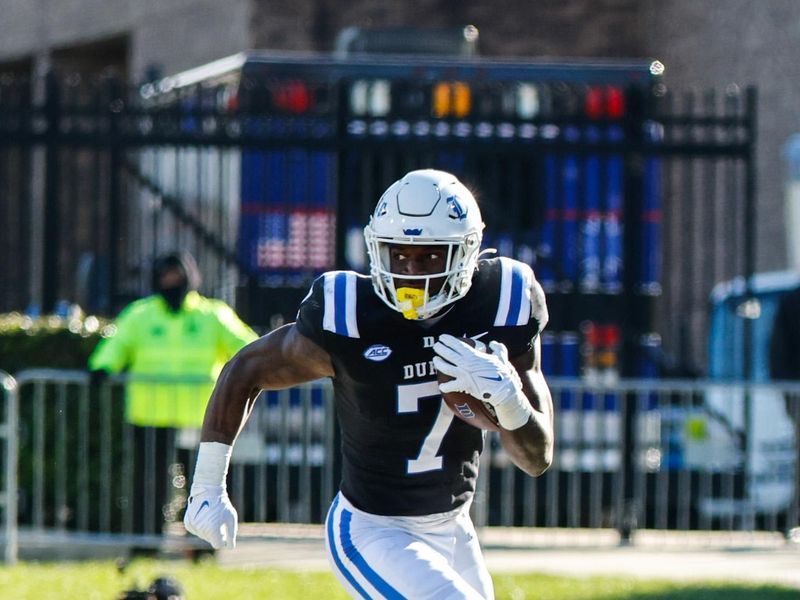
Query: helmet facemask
<point x="433" y="203"/>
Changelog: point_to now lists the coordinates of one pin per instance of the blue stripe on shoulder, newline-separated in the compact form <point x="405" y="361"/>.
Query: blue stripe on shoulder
<point x="340" y="303"/>
<point x="514" y="303"/>
<point x="339" y="315"/>
<point x="517" y="282"/>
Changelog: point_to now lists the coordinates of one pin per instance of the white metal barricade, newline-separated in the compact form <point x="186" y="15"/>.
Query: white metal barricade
<point x="667" y="455"/>
<point x="672" y="454"/>
<point x="86" y="471"/>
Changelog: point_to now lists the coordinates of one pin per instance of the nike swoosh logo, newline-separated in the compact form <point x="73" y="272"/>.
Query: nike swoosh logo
<point x="205" y="504"/>
<point x="495" y="378"/>
<point x="477" y="337"/>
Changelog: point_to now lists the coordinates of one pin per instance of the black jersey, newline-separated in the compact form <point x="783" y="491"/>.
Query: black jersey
<point x="404" y="452"/>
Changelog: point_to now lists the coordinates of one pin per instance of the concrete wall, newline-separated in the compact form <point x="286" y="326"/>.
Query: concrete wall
<point x="718" y="42"/>
<point x="513" y="27"/>
<point x="175" y="34"/>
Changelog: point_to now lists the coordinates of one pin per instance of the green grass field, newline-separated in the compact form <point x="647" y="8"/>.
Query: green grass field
<point x="102" y="581"/>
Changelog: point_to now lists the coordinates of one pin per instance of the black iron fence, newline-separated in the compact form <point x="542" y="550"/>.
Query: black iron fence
<point x="629" y="200"/>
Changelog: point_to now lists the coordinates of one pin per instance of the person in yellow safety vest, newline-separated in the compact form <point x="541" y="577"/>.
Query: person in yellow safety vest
<point x="176" y="342"/>
<point x="178" y="335"/>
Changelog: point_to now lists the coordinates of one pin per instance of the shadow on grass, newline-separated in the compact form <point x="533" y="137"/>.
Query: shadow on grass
<point x="544" y="587"/>
<point x="703" y="592"/>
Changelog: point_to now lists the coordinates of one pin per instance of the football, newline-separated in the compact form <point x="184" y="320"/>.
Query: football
<point x="469" y="408"/>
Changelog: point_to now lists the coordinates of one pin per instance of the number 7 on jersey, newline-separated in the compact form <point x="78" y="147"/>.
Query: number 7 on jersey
<point x="408" y="398"/>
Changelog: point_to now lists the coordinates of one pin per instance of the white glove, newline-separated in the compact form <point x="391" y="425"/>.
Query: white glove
<point x="209" y="513"/>
<point x="488" y="376"/>
<point x="211" y="516"/>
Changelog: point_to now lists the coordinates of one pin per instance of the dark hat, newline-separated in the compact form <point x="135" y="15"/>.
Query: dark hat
<point x="183" y="261"/>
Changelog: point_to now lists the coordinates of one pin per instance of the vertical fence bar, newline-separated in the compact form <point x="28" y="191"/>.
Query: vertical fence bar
<point x="304" y="487"/>
<point x="117" y="216"/>
<point x="749" y="271"/>
<point x="51" y="272"/>
<point x="623" y="501"/>
<point x="38" y="454"/>
<point x="530" y="504"/>
<point x="260" y="484"/>
<point x="792" y="529"/>
<point x="508" y="500"/>
<point x="684" y="484"/>
<point x="9" y="428"/>
<point x="662" y="484"/>
<point x="480" y="505"/>
<point x="573" y="488"/>
<point x="283" y="483"/>
<point x="640" y="466"/>
<point x="552" y="489"/>
<point x="126" y="486"/>
<point x="147" y="454"/>
<point x="633" y="209"/>
<point x="106" y="496"/>
<point x="84" y="490"/>
<point x="331" y="450"/>
<point x="60" y="457"/>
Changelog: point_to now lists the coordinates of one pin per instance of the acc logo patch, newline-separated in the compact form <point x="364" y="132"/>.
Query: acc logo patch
<point x="377" y="352"/>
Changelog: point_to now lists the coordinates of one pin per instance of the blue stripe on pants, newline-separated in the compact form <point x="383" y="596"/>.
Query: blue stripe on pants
<point x="360" y="562"/>
<point x="335" y="554"/>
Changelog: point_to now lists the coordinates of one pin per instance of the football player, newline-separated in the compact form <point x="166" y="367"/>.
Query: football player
<point x="400" y="526"/>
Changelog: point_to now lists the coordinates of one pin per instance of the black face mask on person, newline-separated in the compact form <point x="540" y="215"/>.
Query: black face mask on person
<point x="174" y="276"/>
<point x="174" y="295"/>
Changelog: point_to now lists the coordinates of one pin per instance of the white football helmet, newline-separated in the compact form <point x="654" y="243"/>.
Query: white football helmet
<point x="425" y="207"/>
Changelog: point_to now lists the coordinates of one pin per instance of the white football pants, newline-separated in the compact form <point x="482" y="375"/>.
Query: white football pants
<point x="433" y="556"/>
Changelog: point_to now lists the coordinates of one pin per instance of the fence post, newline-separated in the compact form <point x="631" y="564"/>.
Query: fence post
<point x="114" y="100"/>
<point x="51" y="271"/>
<point x="8" y="493"/>
<point x="749" y="271"/>
<point x="637" y="304"/>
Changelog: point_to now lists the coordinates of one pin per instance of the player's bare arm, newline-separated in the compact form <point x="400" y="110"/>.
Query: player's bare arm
<point x="281" y="359"/>
<point x="531" y="446"/>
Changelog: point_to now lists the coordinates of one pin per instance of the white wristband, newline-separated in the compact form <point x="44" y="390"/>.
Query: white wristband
<point x="213" y="459"/>
<point x="514" y="411"/>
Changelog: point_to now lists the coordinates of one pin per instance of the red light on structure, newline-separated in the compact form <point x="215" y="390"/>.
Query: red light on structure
<point x="293" y="97"/>
<point x="610" y="336"/>
<point x="232" y="102"/>
<point x="616" y="102"/>
<point x="595" y="101"/>
<point x="592" y="333"/>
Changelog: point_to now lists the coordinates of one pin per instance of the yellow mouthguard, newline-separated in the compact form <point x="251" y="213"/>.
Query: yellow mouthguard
<point x="410" y="300"/>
